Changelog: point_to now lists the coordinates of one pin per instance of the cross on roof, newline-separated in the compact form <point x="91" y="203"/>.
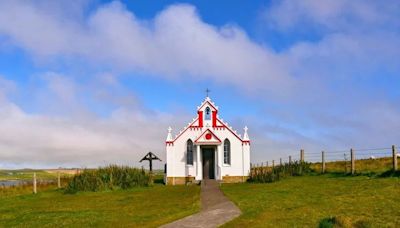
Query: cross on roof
<point x="207" y="91"/>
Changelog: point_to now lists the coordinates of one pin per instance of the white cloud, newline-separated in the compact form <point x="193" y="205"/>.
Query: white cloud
<point x="64" y="132"/>
<point x="6" y="87"/>
<point x="333" y="15"/>
<point x="52" y="141"/>
<point x="175" y="44"/>
<point x="326" y="85"/>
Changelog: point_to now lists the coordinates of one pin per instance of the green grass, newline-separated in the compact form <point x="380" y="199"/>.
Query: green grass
<point x="307" y="201"/>
<point x="138" y="207"/>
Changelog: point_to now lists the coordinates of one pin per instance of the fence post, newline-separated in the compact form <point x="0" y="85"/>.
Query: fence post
<point x="353" y="162"/>
<point x="394" y="158"/>
<point x="290" y="160"/>
<point x="34" y="183"/>
<point x="323" y="162"/>
<point x="273" y="164"/>
<point x="302" y="155"/>
<point x="58" y="179"/>
<point x="280" y="161"/>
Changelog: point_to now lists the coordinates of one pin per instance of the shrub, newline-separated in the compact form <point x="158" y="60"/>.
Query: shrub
<point x="390" y="173"/>
<point x="342" y="222"/>
<point x="327" y="223"/>
<point x="109" y="177"/>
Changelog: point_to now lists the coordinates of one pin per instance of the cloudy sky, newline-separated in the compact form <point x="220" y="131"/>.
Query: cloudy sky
<point x="86" y="83"/>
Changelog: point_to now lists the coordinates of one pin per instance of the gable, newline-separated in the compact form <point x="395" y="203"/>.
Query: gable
<point x="202" y="123"/>
<point x="208" y="137"/>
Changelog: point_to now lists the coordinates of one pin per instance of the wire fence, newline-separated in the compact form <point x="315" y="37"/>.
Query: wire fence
<point x="354" y="160"/>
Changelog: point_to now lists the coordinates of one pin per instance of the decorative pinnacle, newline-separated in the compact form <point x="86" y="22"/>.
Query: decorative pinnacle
<point x="169" y="136"/>
<point x="245" y="135"/>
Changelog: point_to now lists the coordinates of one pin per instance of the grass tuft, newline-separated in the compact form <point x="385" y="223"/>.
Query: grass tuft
<point x="390" y="173"/>
<point x="272" y="174"/>
<point x="108" y="178"/>
<point x="342" y="222"/>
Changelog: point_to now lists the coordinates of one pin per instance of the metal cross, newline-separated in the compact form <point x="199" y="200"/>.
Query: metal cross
<point x="207" y="91"/>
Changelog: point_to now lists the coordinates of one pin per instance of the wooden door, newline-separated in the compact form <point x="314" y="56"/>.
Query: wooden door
<point x="208" y="163"/>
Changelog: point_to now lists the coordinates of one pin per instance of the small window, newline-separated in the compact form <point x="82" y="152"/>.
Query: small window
<point x="189" y="152"/>
<point x="227" y="152"/>
<point x="208" y="113"/>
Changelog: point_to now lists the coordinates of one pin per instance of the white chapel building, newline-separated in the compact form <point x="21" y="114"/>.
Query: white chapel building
<point x="207" y="148"/>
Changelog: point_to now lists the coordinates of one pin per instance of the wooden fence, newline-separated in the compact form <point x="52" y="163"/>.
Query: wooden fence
<point x="349" y="161"/>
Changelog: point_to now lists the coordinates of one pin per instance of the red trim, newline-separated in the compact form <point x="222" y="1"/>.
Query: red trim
<point x="214" y="118"/>
<point x="199" y="128"/>
<point x="200" y="118"/>
<point x="208" y="143"/>
<point x="207" y="131"/>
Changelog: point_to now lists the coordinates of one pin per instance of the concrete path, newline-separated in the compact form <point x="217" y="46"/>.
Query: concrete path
<point x="216" y="209"/>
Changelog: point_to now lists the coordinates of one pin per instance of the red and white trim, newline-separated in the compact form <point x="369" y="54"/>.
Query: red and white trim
<point x="217" y="124"/>
<point x="207" y="137"/>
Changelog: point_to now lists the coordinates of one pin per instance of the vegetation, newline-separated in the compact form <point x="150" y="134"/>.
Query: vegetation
<point x="363" y="166"/>
<point x="368" y="167"/>
<point x="318" y="200"/>
<point x="135" y="207"/>
<point x="271" y="174"/>
<point x="109" y="177"/>
<point x="335" y="199"/>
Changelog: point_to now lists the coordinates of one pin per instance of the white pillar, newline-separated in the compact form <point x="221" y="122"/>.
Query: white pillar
<point x="220" y="160"/>
<point x="198" y="163"/>
<point x="216" y="163"/>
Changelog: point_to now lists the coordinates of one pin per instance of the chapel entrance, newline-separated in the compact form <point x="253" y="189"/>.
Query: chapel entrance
<point x="208" y="163"/>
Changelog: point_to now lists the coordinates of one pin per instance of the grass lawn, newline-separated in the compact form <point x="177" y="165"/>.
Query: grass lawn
<point x="144" y="207"/>
<point x="305" y="201"/>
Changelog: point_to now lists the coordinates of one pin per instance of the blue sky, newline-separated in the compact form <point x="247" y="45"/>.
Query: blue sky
<point x="94" y="82"/>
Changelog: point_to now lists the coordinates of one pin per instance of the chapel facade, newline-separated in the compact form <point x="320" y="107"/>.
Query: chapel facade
<point x="207" y="148"/>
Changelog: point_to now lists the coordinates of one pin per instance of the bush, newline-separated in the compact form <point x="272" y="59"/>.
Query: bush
<point x="342" y="222"/>
<point x="109" y="177"/>
<point x="271" y="174"/>
<point x="390" y="173"/>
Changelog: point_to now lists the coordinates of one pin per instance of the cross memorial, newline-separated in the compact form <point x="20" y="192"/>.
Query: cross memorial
<point x="150" y="157"/>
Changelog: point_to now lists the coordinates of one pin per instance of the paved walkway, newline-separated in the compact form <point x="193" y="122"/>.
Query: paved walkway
<point x="216" y="209"/>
